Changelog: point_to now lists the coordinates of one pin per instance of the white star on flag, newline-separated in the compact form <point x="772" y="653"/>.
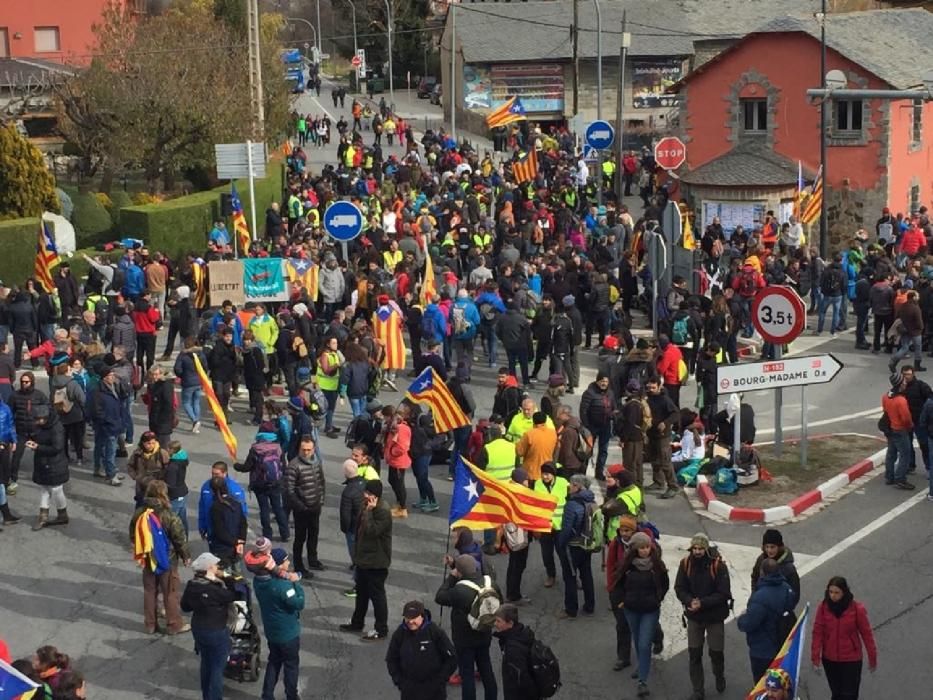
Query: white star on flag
<point x="300" y="265"/>
<point x="471" y="490"/>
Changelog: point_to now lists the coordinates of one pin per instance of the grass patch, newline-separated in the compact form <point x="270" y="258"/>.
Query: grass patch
<point x="826" y="457"/>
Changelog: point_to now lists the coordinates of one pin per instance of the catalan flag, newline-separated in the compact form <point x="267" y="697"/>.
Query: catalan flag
<point x="688" y="241"/>
<point x="430" y="389"/>
<point x="46" y="257"/>
<point x="387" y="327"/>
<point x="509" y="112"/>
<point x="526" y="169"/>
<point x="480" y="502"/>
<point x="199" y="277"/>
<point x="286" y="148"/>
<point x="14" y="684"/>
<point x="428" y="287"/>
<point x="219" y="416"/>
<point x="303" y="273"/>
<point x="240" y="229"/>
<point x="810" y="208"/>
<point x="784" y="671"/>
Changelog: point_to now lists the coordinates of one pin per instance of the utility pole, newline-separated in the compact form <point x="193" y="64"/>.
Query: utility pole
<point x="576" y="57"/>
<point x="255" y="70"/>
<point x="623" y="52"/>
<point x="389" y="25"/>
<point x="599" y="97"/>
<point x="824" y="223"/>
<point x="452" y="90"/>
<point x="319" y="30"/>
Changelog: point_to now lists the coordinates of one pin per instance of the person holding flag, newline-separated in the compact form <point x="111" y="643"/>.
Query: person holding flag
<point x="388" y="320"/>
<point x="771" y="601"/>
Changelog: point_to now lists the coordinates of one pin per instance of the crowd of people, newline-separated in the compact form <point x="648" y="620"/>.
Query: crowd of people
<point x="534" y="268"/>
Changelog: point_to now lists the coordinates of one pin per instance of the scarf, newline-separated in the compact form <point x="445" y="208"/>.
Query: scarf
<point x="643" y="563"/>
<point x="838" y="608"/>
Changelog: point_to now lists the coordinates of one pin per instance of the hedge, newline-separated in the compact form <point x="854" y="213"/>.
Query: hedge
<point x="178" y="226"/>
<point x="91" y="220"/>
<point x="17" y="250"/>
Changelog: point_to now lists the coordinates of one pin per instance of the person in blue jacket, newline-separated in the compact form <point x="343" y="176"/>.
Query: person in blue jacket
<point x="464" y="326"/>
<point x="772" y="598"/>
<point x="8" y="441"/>
<point x="218" y="469"/>
<point x="281" y="600"/>
<point x="134" y="282"/>
<point x="574" y="558"/>
<point x="433" y="324"/>
<point x="219" y="320"/>
<point x="490" y="306"/>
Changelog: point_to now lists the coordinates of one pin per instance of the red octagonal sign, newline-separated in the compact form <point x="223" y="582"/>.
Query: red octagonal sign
<point x="670" y="153"/>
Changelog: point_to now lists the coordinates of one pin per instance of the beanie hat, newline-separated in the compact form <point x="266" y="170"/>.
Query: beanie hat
<point x="58" y="358"/>
<point x="611" y="343"/>
<point x="295" y="403"/>
<point x="350" y="468"/>
<point x="896" y="379"/>
<point x="383" y="299"/>
<point x="374" y="487"/>
<point x="278" y="555"/>
<point x="263" y="545"/>
<point x="629" y="522"/>
<point x="700" y="540"/>
<point x="555" y="380"/>
<point x="639" y="540"/>
<point x="772" y="536"/>
<point x="549" y="468"/>
<point x="580" y="480"/>
<point x="465" y="565"/>
<point x="519" y="475"/>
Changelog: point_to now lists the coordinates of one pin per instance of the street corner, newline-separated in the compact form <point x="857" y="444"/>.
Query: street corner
<point x="785" y="503"/>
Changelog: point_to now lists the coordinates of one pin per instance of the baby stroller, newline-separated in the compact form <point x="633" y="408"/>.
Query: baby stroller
<point x="245" y="642"/>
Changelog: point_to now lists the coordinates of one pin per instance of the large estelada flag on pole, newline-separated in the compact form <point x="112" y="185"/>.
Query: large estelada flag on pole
<point x="46" y="257"/>
<point x="387" y="327"/>
<point x="810" y="207"/>
<point x="784" y="671"/>
<point x="526" y="169"/>
<point x="304" y="273"/>
<point x="507" y="113"/>
<point x="428" y="388"/>
<point x="428" y="286"/>
<point x="239" y="221"/>
<point x="216" y="408"/>
<point x="481" y="502"/>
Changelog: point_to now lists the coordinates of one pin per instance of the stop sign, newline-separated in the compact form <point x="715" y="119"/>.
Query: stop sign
<point x="670" y="153"/>
<point x="356" y="61"/>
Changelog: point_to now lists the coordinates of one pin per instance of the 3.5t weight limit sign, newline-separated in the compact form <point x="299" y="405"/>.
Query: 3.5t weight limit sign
<point x="778" y="314"/>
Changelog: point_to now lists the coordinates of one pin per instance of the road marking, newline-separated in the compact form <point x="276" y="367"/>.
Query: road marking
<point x="859" y="535"/>
<point x="825" y="421"/>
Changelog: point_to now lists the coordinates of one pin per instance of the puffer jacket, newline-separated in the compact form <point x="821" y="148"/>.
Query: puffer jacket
<point x="841" y="638"/>
<point x="786" y="566"/>
<point x="161" y="401"/>
<point x="7" y="428"/>
<point x="351" y="504"/>
<point x="185" y="369"/>
<point x="331" y="284"/>
<point x="24" y="405"/>
<point x="643" y="591"/>
<point x="420" y="661"/>
<point x="768" y="602"/>
<point x="513" y="329"/>
<point x="304" y="484"/>
<point x="124" y="333"/>
<point x="695" y="579"/>
<point x="51" y="466"/>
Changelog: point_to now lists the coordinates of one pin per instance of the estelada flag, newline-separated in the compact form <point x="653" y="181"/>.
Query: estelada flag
<point x="240" y="229"/>
<point x="303" y="273"/>
<point x="428" y="287"/>
<point x="216" y="409"/>
<point x="428" y="388"/>
<point x="526" y="169"/>
<point x="46" y="257"/>
<point x="509" y="112"/>
<point x="481" y="502"/>
<point x="810" y="209"/>
<point x="784" y="671"/>
<point x="688" y="241"/>
<point x="387" y="327"/>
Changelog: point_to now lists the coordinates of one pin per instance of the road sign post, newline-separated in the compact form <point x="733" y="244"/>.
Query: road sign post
<point x="599" y="136"/>
<point x="343" y="222"/>
<point x="670" y="153"/>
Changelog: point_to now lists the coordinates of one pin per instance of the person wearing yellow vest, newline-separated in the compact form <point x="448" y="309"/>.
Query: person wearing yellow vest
<point x="329" y="363"/>
<point x="349" y="155"/>
<point x="481" y="239"/>
<point x="266" y="332"/>
<point x="497" y="458"/>
<point x="522" y="421"/>
<point x="623" y="497"/>
<point x="609" y="172"/>
<point x="558" y="487"/>
<point x="360" y="455"/>
<point x="392" y="257"/>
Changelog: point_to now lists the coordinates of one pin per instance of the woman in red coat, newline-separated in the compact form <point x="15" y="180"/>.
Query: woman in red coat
<point x="840" y="629"/>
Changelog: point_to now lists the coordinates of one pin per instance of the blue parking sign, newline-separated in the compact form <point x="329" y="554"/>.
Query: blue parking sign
<point x="600" y="135"/>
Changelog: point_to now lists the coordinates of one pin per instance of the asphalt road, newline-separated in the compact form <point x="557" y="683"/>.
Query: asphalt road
<point x="78" y="588"/>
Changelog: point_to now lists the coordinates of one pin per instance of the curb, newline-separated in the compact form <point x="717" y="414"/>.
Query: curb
<point x="801" y="503"/>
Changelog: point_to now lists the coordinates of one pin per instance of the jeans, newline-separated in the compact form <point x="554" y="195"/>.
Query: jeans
<point x="463" y="352"/>
<point x="46" y="331"/>
<point x="519" y="357"/>
<point x="213" y="646"/>
<point x="371" y="586"/>
<point x="180" y="508"/>
<point x="574" y="561"/>
<point x="331" y="396"/>
<point x="105" y="454"/>
<point x="128" y="418"/>
<point x="357" y="405"/>
<point x="642" y="626"/>
<point x="307" y="529"/>
<point x="906" y="342"/>
<point x="282" y="656"/>
<point x="897" y="459"/>
<point x="191" y="402"/>
<point x="861" y="325"/>
<point x="825" y="302"/>
<point x="271" y="503"/>
<point x="469" y="658"/>
<point x="489" y="342"/>
<point x="602" y="454"/>
<point x="419" y="466"/>
<point x="816" y="297"/>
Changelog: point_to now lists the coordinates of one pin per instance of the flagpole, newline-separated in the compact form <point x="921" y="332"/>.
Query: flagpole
<point x="824" y="223"/>
<point x="234" y="234"/>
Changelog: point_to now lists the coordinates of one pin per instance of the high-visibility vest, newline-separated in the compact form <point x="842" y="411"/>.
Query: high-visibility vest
<point x="560" y="488"/>
<point x="500" y="459"/>
<point x="367" y="472"/>
<point x="633" y="498"/>
<point x="391" y="260"/>
<point x="92" y="301"/>
<point x="323" y="381"/>
<point x="481" y="240"/>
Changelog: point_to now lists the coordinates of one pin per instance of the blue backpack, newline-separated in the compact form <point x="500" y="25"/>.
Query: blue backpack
<point x="725" y="481"/>
<point x="161" y="547"/>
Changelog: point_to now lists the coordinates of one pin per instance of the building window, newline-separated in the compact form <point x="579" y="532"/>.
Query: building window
<point x="916" y="126"/>
<point x="47" y="40"/>
<point x="914" y="204"/>
<point x="754" y="116"/>
<point x="4" y="42"/>
<point x="848" y="117"/>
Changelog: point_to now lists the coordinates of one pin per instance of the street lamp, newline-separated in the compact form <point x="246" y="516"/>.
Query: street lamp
<point x="319" y="32"/>
<point x="299" y="19"/>
<point x="389" y="31"/>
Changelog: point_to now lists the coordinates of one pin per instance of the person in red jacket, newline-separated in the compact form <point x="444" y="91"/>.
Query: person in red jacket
<point x="912" y="240"/>
<point x="669" y="367"/>
<point x="147" y="320"/>
<point x="898" y="431"/>
<point x="840" y="630"/>
<point x="396" y="446"/>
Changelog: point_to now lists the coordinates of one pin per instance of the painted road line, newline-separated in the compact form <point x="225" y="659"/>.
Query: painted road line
<point x="825" y="421"/>
<point x="859" y="535"/>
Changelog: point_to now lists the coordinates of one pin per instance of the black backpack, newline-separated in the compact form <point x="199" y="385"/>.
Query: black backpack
<point x="830" y="284"/>
<point x="545" y="669"/>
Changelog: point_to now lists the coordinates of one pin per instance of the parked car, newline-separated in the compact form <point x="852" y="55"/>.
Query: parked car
<point x="425" y="86"/>
<point x="436" y="94"/>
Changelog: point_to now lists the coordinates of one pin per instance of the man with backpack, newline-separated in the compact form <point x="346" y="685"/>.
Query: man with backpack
<point x="464" y="322"/>
<point x="265" y="464"/>
<point x="768" y="617"/>
<point x="529" y="668"/>
<point x="703" y="587"/>
<point x="473" y="600"/>
<point x="833" y="284"/>
<point x="581" y="534"/>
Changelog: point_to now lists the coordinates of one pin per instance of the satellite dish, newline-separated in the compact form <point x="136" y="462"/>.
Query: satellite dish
<point x="836" y="80"/>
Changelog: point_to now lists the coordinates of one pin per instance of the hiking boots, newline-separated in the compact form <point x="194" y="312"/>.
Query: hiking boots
<point x="43" y="519"/>
<point x="399" y="512"/>
<point x="9" y="518"/>
<point x="62" y="518"/>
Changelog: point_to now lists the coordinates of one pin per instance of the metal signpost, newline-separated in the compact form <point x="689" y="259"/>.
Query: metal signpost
<point x="657" y="263"/>
<point x="600" y="136"/>
<point x="343" y="221"/>
<point x="242" y="160"/>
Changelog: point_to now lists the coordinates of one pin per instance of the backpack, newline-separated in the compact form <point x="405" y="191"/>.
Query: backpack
<point x="785" y="625"/>
<point x="645" y="415"/>
<point x="583" y="450"/>
<point x="545" y="669"/>
<point x="591" y="538"/>
<point x="516" y="539"/>
<point x="158" y="559"/>
<point x="488" y="312"/>
<point x="268" y="470"/>
<point x="830" y="284"/>
<point x="725" y="481"/>
<point x="427" y="326"/>
<point x="60" y="400"/>
<point x="375" y="378"/>
<point x="748" y="283"/>
<point x="483" y="609"/>
<point x="119" y="279"/>
<point x="459" y="321"/>
<point x="680" y="332"/>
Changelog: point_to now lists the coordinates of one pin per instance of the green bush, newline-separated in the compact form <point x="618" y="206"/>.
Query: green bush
<point x="91" y="220"/>
<point x="120" y="199"/>
<point x="18" y="238"/>
<point x="174" y="227"/>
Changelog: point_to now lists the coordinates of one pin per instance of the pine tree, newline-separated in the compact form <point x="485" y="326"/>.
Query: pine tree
<point x="27" y="188"/>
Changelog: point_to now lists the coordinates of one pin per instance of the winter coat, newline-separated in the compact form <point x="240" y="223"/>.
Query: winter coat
<point x="206" y="500"/>
<point x="171" y="525"/>
<point x="513" y="329"/>
<point x="596" y="408"/>
<point x="470" y="315"/>
<point x="331" y="284"/>
<point x="663" y="410"/>
<point x="351" y="504"/>
<point x="769" y="601"/>
<point x="432" y="317"/>
<point x="75" y="393"/>
<point x="254" y="365"/>
<point x="280" y="604"/>
<point x="266" y="445"/>
<point x="841" y="638"/>
<point x="373" y="549"/>
<point x="184" y="367"/>
<point x="123" y="333"/>
<point x="23" y="319"/>
<point x="568" y="437"/>
<point x="574" y="520"/>
<point x="354" y="378"/>
<point x="420" y="661"/>
<point x="642" y="591"/>
<point x="106" y="410"/>
<point x="146" y="318"/>
<point x="228" y="527"/>
<point x="209" y="601"/>
<point x="50" y="467"/>
<point x="7" y="428"/>
<point x="517" y="680"/>
<point x="23" y="404"/>
<point x="912" y="318"/>
<point x="396" y="447"/>
<point x="669" y="365"/>
<point x="143" y="468"/>
<point x="176" y="473"/>
<point x="881" y="297"/>
<point x="161" y="406"/>
<point x="222" y="362"/>
<point x="695" y="579"/>
<point x="304" y="484"/>
<point x="787" y="568"/>
<point x="459" y="598"/>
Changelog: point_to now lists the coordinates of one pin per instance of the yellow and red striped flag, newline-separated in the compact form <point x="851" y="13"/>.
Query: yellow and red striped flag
<point x="481" y="502"/>
<point x="219" y="416"/>
<point x="430" y="389"/>
<point x="428" y="287"/>
<point x="286" y="148"/>
<point x="509" y="112"/>
<point x="46" y="257"/>
<point x="387" y="327"/>
<point x="304" y="273"/>
<point x="240" y="229"/>
<point x="526" y="169"/>
<point x="811" y="208"/>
